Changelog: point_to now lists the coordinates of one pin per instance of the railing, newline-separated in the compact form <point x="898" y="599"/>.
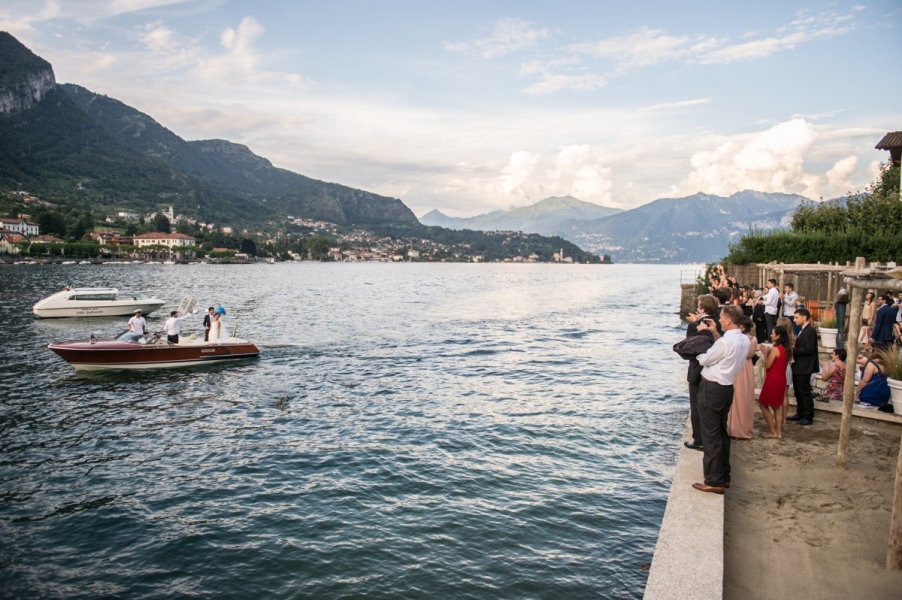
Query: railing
<point x="690" y="275"/>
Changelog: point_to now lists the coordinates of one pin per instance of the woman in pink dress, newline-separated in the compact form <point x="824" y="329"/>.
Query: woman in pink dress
<point x="774" y="388"/>
<point x="741" y="420"/>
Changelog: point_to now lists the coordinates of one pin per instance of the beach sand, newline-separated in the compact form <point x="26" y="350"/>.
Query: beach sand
<point x="796" y="527"/>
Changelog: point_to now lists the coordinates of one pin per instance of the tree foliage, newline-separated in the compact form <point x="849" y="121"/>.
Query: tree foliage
<point x="866" y="225"/>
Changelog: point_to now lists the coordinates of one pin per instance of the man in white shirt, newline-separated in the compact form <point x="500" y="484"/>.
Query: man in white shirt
<point x="137" y="326"/>
<point x="771" y="301"/>
<point x="721" y="364"/>
<point x="173" y="326"/>
<point x="790" y="300"/>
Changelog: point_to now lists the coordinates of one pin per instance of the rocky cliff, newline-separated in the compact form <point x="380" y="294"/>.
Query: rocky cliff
<point x="25" y="78"/>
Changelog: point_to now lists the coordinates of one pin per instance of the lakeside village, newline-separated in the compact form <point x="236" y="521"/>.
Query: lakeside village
<point x="175" y="238"/>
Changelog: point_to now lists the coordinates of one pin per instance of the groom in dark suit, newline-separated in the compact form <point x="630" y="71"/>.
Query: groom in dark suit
<point x="804" y="365"/>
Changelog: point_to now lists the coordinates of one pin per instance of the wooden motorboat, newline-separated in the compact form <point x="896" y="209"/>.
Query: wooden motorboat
<point x="94" y="302"/>
<point x="151" y="353"/>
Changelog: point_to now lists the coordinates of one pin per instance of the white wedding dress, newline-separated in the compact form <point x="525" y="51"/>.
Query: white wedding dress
<point x="215" y="329"/>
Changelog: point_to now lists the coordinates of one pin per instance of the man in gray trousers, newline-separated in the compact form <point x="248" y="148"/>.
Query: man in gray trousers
<point x="721" y="365"/>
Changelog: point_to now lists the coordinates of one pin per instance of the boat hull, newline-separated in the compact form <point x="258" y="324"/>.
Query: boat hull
<point x="106" y="309"/>
<point x="93" y="302"/>
<point x="113" y="355"/>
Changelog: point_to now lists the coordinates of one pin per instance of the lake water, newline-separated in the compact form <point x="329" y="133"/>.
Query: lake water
<point x="410" y="430"/>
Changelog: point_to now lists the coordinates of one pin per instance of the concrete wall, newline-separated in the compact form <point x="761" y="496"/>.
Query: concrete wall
<point x="688" y="560"/>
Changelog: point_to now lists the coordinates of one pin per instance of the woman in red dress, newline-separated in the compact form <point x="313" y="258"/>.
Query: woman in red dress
<point x="771" y="397"/>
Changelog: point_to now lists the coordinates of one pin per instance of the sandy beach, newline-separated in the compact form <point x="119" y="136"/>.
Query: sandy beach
<point x="796" y="527"/>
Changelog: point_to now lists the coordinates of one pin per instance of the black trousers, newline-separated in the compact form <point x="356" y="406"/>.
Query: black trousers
<point x="173" y="339"/>
<point x="714" y="401"/>
<point x="801" y="385"/>
<point x="693" y="414"/>
<point x="770" y="321"/>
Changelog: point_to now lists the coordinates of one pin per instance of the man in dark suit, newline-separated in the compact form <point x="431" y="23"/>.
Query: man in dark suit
<point x="208" y="322"/>
<point x="882" y="334"/>
<point x="804" y="365"/>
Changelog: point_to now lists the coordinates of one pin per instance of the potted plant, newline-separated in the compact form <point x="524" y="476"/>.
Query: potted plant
<point x="828" y="332"/>
<point x="892" y="362"/>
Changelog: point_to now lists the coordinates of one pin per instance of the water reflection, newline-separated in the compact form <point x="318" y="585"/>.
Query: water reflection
<point x="454" y="430"/>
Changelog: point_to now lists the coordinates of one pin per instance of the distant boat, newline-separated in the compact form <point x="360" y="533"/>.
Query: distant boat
<point x="153" y="353"/>
<point x="94" y="302"/>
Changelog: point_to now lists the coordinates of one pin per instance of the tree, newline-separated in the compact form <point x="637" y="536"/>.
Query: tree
<point x="864" y="225"/>
<point x="52" y="223"/>
<point x="161" y="223"/>
<point x="248" y="247"/>
<point x="317" y="247"/>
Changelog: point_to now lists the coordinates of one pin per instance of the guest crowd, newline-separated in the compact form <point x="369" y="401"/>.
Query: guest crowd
<point x="739" y="334"/>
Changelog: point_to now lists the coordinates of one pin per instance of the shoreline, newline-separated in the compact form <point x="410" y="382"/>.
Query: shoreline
<point x="790" y="515"/>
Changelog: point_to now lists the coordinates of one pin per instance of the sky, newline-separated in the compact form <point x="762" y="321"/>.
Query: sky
<point x="469" y="107"/>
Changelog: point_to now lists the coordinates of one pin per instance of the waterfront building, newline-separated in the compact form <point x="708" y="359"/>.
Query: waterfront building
<point x="171" y="240"/>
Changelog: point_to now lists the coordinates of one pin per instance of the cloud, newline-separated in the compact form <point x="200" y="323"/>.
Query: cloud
<point x="592" y="64"/>
<point x="508" y="36"/>
<point x="838" y="176"/>
<point x="240" y="58"/>
<point x="672" y="105"/>
<point x="767" y="161"/>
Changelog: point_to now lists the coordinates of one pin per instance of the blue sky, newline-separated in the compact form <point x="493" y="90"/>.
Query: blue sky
<point x="474" y="106"/>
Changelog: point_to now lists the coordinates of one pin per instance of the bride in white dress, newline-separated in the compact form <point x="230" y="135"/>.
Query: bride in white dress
<point x="215" y="329"/>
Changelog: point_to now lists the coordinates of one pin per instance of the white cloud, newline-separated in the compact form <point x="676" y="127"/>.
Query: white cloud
<point x="672" y="105"/>
<point x="590" y="65"/>
<point x="838" y="175"/>
<point x="641" y="48"/>
<point x="552" y="82"/>
<point x="240" y="58"/>
<point x="508" y="35"/>
<point x="518" y="175"/>
<point x="768" y="161"/>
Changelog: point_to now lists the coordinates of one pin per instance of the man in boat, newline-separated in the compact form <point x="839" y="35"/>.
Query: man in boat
<point x="137" y="327"/>
<point x="173" y="326"/>
<point x="208" y="322"/>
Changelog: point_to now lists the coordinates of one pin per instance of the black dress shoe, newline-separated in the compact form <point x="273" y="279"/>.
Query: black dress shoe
<point x="805" y="422"/>
<point x="795" y="417"/>
<point x="693" y="445"/>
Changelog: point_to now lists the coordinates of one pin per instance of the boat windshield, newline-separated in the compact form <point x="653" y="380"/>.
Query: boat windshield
<point x="129" y="336"/>
<point x="93" y="296"/>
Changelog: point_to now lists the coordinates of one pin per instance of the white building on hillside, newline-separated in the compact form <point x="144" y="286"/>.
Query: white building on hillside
<point x="172" y="240"/>
<point x="22" y="226"/>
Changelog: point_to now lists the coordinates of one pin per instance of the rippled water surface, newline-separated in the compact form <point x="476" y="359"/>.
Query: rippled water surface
<point x="410" y="430"/>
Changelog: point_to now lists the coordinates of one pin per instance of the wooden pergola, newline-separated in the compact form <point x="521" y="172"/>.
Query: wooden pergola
<point x="859" y="280"/>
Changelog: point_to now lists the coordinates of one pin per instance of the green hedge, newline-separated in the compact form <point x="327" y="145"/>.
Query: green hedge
<point x="815" y="246"/>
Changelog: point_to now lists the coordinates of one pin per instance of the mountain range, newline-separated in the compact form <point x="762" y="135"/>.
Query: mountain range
<point x="66" y="142"/>
<point x="83" y="149"/>
<point x="697" y="228"/>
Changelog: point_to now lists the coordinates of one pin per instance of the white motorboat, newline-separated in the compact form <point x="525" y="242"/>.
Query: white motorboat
<point x="94" y="302"/>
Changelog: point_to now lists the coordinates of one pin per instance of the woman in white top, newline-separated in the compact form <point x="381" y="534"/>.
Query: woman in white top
<point x="867" y="321"/>
<point x="215" y="327"/>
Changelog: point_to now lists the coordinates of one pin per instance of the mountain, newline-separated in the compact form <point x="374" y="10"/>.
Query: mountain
<point x="550" y="216"/>
<point x="230" y="168"/>
<point x="81" y="148"/>
<point x="696" y="228"/>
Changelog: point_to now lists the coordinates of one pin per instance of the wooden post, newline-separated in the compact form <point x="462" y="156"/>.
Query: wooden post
<point x="848" y="388"/>
<point x="894" y="549"/>
<point x="829" y="287"/>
